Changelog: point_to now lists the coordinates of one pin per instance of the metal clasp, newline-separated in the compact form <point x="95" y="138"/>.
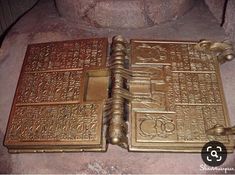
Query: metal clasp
<point x="220" y="130"/>
<point x="223" y="50"/>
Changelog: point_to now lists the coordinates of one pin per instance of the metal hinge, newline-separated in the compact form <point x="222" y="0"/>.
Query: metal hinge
<point x="223" y="50"/>
<point x="117" y="125"/>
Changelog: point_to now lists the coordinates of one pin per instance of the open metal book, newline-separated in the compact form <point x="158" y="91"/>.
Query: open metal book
<point x="143" y="95"/>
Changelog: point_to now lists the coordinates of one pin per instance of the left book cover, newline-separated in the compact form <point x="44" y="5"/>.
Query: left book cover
<point x="61" y="98"/>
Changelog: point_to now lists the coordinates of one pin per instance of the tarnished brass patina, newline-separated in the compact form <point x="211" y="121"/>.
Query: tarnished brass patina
<point x="224" y="51"/>
<point x="220" y="130"/>
<point x="61" y="98"/>
<point x="148" y="96"/>
<point x="117" y="125"/>
<point x="176" y="97"/>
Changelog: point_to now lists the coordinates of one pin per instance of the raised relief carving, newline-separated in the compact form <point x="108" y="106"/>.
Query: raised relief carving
<point x="56" y="122"/>
<point x="155" y="126"/>
<point x="192" y="128"/>
<point x="155" y="89"/>
<point x="171" y="91"/>
<point x="148" y="53"/>
<point x="50" y="87"/>
<point x="184" y="85"/>
<point x="49" y="106"/>
<point x="78" y="55"/>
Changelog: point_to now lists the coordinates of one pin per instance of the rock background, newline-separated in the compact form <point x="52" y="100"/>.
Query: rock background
<point x="224" y="11"/>
<point x="44" y="24"/>
<point x="141" y="13"/>
<point x="217" y="8"/>
<point x="123" y="13"/>
<point x="229" y="24"/>
<point x="10" y="10"/>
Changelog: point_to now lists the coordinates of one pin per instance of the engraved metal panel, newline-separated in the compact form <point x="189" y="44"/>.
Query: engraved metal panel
<point x="176" y="99"/>
<point x="66" y="123"/>
<point x="49" y="111"/>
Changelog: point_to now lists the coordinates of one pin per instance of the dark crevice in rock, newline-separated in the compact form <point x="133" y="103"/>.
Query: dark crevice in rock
<point x="56" y="8"/>
<point x="3" y="35"/>
<point x="224" y="12"/>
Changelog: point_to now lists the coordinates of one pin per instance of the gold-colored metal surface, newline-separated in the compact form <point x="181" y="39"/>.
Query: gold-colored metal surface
<point x="222" y="50"/>
<point x="176" y="97"/>
<point x="220" y="130"/>
<point x="117" y="126"/>
<point x="151" y="96"/>
<point x="55" y="107"/>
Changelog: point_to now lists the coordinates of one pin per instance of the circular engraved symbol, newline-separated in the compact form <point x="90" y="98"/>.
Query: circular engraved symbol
<point x="214" y="153"/>
<point x="153" y="126"/>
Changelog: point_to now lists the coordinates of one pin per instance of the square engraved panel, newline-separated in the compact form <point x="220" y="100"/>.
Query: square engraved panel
<point x="176" y="99"/>
<point x="49" y="111"/>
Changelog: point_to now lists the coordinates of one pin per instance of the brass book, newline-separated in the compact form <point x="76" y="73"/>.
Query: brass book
<point x="142" y="95"/>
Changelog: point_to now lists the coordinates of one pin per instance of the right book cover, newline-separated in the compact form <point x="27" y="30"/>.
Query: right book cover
<point x="177" y="98"/>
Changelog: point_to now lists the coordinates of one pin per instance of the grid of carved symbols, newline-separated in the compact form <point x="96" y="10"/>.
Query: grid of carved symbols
<point x="177" y="97"/>
<point x="48" y="105"/>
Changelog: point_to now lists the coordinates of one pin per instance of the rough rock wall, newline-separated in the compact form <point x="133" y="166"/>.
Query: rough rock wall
<point x="122" y="13"/>
<point x="10" y="10"/>
<point x="216" y="7"/>
<point x="229" y="24"/>
<point x="224" y="12"/>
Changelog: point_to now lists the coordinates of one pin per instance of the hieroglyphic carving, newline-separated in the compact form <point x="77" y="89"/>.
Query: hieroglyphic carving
<point x="175" y="96"/>
<point x="179" y="82"/>
<point x="53" y="72"/>
<point x="184" y="57"/>
<point x="71" y="122"/>
<point x="196" y="88"/>
<point x="79" y="54"/>
<point x="192" y="128"/>
<point x="49" y="107"/>
<point x="181" y="56"/>
<point x="49" y="87"/>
